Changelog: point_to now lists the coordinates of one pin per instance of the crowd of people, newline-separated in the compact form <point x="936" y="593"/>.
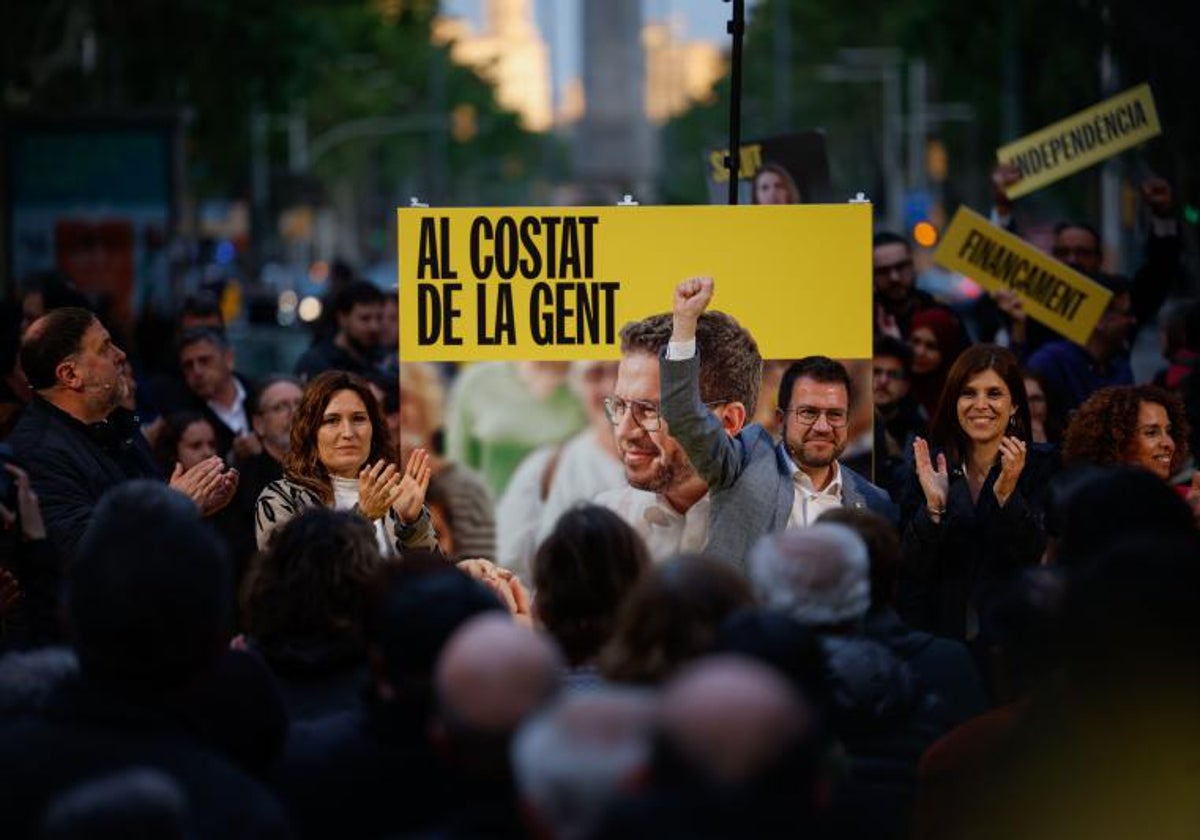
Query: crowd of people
<point x="652" y="597"/>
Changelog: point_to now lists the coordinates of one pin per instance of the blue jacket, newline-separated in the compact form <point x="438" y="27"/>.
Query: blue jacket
<point x="749" y="474"/>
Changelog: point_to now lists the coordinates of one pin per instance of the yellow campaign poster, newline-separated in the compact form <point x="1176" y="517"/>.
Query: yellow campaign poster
<point x="1083" y="139"/>
<point x="557" y="284"/>
<point x="1058" y="296"/>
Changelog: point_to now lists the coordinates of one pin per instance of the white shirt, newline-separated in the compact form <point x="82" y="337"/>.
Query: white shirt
<point x="809" y="502"/>
<point x="666" y="531"/>
<point x="585" y="470"/>
<point x="345" y="497"/>
<point x="235" y="416"/>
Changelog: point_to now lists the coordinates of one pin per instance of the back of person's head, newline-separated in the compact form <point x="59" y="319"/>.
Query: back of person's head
<point x="820" y="576"/>
<point x="574" y="759"/>
<point x="139" y="803"/>
<point x="357" y="293"/>
<point x="52" y="338"/>
<point x="776" y="639"/>
<point x="423" y="602"/>
<point x="313" y="582"/>
<point x="731" y="724"/>
<point x="1089" y="507"/>
<point x="582" y="572"/>
<point x="883" y="549"/>
<point x="1023" y="622"/>
<point x="731" y="366"/>
<point x="1130" y="624"/>
<point x="493" y="673"/>
<point x="671" y="617"/>
<point x="149" y="597"/>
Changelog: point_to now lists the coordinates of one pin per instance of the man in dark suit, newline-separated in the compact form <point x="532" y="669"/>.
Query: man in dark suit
<point x="759" y="486"/>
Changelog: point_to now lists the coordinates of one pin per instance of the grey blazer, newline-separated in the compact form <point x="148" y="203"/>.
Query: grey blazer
<point x="748" y="474"/>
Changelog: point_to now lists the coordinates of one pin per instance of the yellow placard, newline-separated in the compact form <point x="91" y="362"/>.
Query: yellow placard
<point x="1053" y="293"/>
<point x="1081" y="140"/>
<point x="559" y="283"/>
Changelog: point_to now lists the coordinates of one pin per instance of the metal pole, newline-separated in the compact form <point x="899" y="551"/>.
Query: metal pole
<point x="736" y="27"/>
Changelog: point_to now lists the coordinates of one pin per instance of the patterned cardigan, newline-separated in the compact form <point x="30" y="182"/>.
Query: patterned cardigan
<point x="283" y="500"/>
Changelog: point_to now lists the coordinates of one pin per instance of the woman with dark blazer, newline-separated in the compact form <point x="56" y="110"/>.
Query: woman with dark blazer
<point x="974" y="510"/>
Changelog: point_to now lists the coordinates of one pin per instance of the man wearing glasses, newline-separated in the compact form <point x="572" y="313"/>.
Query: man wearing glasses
<point x="760" y="486"/>
<point x="897" y="298"/>
<point x="271" y="409"/>
<point x="666" y="501"/>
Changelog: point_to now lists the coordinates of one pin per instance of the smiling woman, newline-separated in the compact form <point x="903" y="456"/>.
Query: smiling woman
<point x="341" y="456"/>
<point x="974" y="509"/>
<point x="1143" y="426"/>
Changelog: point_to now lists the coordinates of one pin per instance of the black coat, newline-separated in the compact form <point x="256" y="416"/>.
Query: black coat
<point x="88" y="732"/>
<point x="369" y="772"/>
<point x="952" y="570"/>
<point x="72" y="464"/>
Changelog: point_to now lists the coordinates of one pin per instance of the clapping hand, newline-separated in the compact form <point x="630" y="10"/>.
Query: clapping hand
<point x="505" y="584"/>
<point x="410" y="496"/>
<point x="934" y="482"/>
<point x="208" y="484"/>
<point x="1012" y="462"/>
<point x="378" y="488"/>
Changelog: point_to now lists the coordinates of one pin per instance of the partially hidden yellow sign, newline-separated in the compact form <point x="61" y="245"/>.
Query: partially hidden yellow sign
<point x="1058" y="296"/>
<point x="1085" y="138"/>
<point x="559" y="283"/>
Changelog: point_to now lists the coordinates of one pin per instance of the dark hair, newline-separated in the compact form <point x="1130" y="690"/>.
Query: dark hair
<point x="671" y="617"/>
<point x="1129" y="620"/>
<point x="356" y="293"/>
<point x="1054" y="416"/>
<point x="776" y="639"/>
<point x="302" y="464"/>
<point x="1089" y="506"/>
<point x="201" y="306"/>
<point x="1068" y="224"/>
<point x="1104" y="426"/>
<point x="59" y="335"/>
<point x="887" y="237"/>
<point x="255" y="397"/>
<point x="887" y="345"/>
<point x="149" y="596"/>
<point x="197" y="334"/>
<point x="944" y="428"/>
<point x="817" y="368"/>
<point x="730" y="365"/>
<point x="314" y="580"/>
<point x="883" y="549"/>
<point x="166" y="447"/>
<point x="582" y="572"/>
<point x="415" y="614"/>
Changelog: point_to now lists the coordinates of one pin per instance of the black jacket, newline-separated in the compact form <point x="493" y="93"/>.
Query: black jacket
<point x="952" y="570"/>
<point x="87" y="732"/>
<point x="944" y="665"/>
<point x="884" y="717"/>
<point x="72" y="464"/>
